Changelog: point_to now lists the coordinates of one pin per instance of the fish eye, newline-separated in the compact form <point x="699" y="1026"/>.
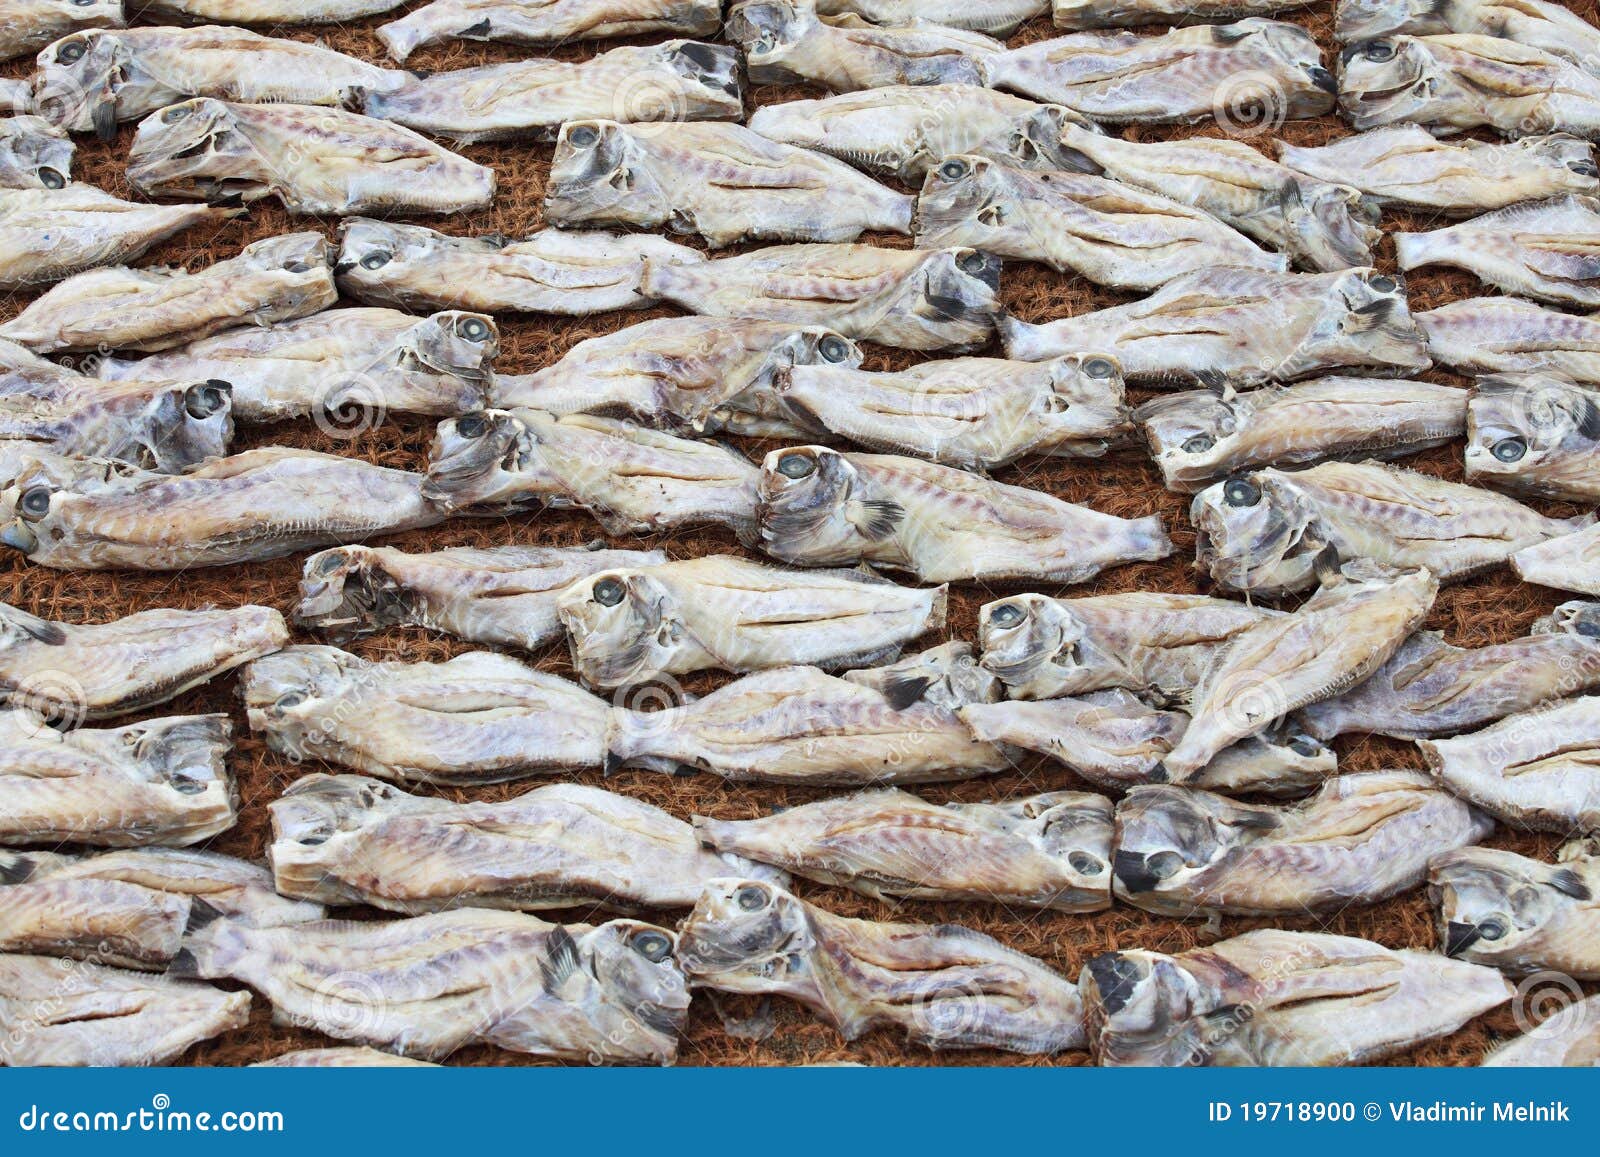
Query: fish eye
<point x="472" y="425"/>
<point x="474" y="329"/>
<point x="1584" y="167"/>
<point x="1383" y="283"/>
<point x="205" y="398"/>
<point x="583" y="136"/>
<point x="1588" y="628"/>
<point x="751" y="897"/>
<point x="608" y="592"/>
<point x="377" y="259"/>
<point x="1164" y="865"/>
<point x="765" y="44"/>
<point x="51" y="179"/>
<point x="175" y="114"/>
<point x="1099" y="368"/>
<point x="652" y="945"/>
<point x="1006" y="615"/>
<point x="71" y="51"/>
<point x="1241" y="492"/>
<point x="1509" y="449"/>
<point x="289" y="699"/>
<point x="35" y="502"/>
<point x="1305" y="745"/>
<point x="972" y="262"/>
<point x="311" y="841"/>
<point x="329" y="562"/>
<point x="82" y="3"/>
<point x="833" y="348"/>
<point x="1199" y="444"/>
<point x="796" y="466"/>
<point x="1085" y="864"/>
<point x="954" y="169"/>
<point x="1379" y="51"/>
<point x="185" y="786"/>
<point x="1493" y="928"/>
<point x="296" y="267"/>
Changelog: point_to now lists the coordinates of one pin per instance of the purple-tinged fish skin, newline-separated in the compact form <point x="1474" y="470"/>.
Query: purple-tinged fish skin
<point x="1080" y="15"/>
<point x="995" y="17"/>
<point x="546" y="22"/>
<point x="1517" y="914"/>
<point x="1545" y="250"/>
<point x="946" y="676"/>
<point x="1570" y="562"/>
<point x="1538" y="24"/>
<point x="107" y="921"/>
<point x="1488" y="335"/>
<point x="273" y="12"/>
<point x="1535" y="434"/>
<point x="354" y="1057"/>
<point x="26" y="26"/>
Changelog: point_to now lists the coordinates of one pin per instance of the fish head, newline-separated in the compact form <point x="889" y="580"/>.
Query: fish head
<point x="1074" y="831"/>
<point x="1580" y="617"/>
<point x="376" y="254"/>
<point x="815" y="345"/>
<point x="1295" y="53"/>
<point x="1036" y="140"/>
<point x="1358" y="20"/>
<point x="187" y="424"/>
<point x="706" y="73"/>
<point x="621" y="624"/>
<point x="37" y="491"/>
<point x="597" y="167"/>
<point x="1087" y="391"/>
<point x="36" y="148"/>
<point x="1036" y="646"/>
<point x="1254" y="536"/>
<point x="746" y="936"/>
<point x="195" y="149"/>
<point x="1566" y="151"/>
<point x="804" y="502"/>
<point x="1389" y="80"/>
<point x="1518" y="424"/>
<point x="1168" y="835"/>
<point x="481" y="458"/>
<point x="1494" y="907"/>
<point x="76" y="81"/>
<point x="1281" y="760"/>
<point x="316" y="809"/>
<point x="452" y="344"/>
<point x="346" y="592"/>
<point x="1367" y="322"/>
<point x="947" y="676"/>
<point x="640" y="994"/>
<point x="968" y="197"/>
<point x="185" y="753"/>
<point x="287" y="692"/>
<point x="768" y="31"/>
<point x="961" y="285"/>
<point x="1190" y="433"/>
<point x="1140" y="1008"/>
<point x="305" y="261"/>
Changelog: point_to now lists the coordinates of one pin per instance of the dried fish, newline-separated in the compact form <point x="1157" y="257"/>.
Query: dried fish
<point x="427" y="986"/>
<point x="162" y="781"/>
<point x="93" y="80"/>
<point x="1535" y="434"/>
<point x="34" y="154"/>
<point x="1536" y="23"/>
<point x="1360" y="839"/>
<point x="1484" y="335"/>
<point x="1547" y="250"/>
<point x="1537" y="769"/>
<point x="1568" y="1038"/>
<point x="274" y="12"/>
<point x="912" y="298"/>
<point x="1200" y="436"/>
<point x="818" y="507"/>
<point x="150" y="309"/>
<point x="546" y="21"/>
<point x="1408" y="167"/>
<point x="26" y="26"/>
<point x="355" y="1057"/>
<point x="632" y="480"/>
<point x="1082" y="14"/>
<point x="1520" y="915"/>
<point x="551" y="271"/>
<point x="1110" y="738"/>
<point x="479" y="718"/>
<point x="502" y="596"/>
<point x="975" y="413"/>
<point x="946" y="676"/>
<point x="1040" y="851"/>
<point x="629" y="625"/>
<point x="996" y="17"/>
<point x="1110" y="233"/>
<point x="677" y="80"/>
<point x="1278" y="998"/>
<point x="16" y="96"/>
<point x="89" y="1015"/>
<point x="1242" y="327"/>
<point x="1570" y="562"/>
<point x="107" y="921"/>
<point x="1242" y="73"/>
<point x="1266" y="531"/>
<point x="718" y="181"/>
<point x="946" y="986"/>
<point x="313" y="160"/>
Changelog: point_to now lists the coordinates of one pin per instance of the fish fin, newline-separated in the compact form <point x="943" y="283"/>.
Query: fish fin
<point x="613" y="763"/>
<point x="201" y="914"/>
<point x="479" y="30"/>
<point x="1568" y="883"/>
<point x="41" y="630"/>
<point x="14" y="868"/>
<point x="184" y="966"/>
<point x="878" y="518"/>
<point x="903" y="690"/>
<point x="560" y="959"/>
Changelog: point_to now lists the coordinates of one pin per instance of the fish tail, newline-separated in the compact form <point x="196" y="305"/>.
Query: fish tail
<point x="404" y="36"/>
<point x="1413" y="249"/>
<point x="1023" y="342"/>
<point x="1148" y="538"/>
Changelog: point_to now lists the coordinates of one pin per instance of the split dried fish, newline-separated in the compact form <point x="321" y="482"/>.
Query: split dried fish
<point x="911" y="298"/>
<point x="1081" y="14"/>
<point x="1242" y="327"/>
<point x="719" y="612"/>
<point x="1266" y="531"/>
<point x="34" y="154"/>
<point x="1568" y="1038"/>
<point x="1318" y="223"/>
<point x="946" y="676"/>
<point x="90" y="1015"/>
<point x="1520" y="915"/>
<point x="427" y="986"/>
<point x="1570" y="562"/>
<point x="1536" y="23"/>
<point x="1277" y="998"/>
<point x="341" y="1058"/>
<point x="346" y="839"/>
<point x="1537" y="769"/>
<point x="1108" y="232"/>
<point x="479" y="718"/>
<point x="162" y="781"/>
<point x="944" y="985"/>
<point x="975" y="413"/>
<point x="545" y="21"/>
<point x="708" y="374"/>
<point x="1432" y="688"/>
<point x="1485" y="335"/>
<point x="348" y="367"/>
<point x="150" y="309"/>
<point x="798" y="725"/>
<point x="1408" y="167"/>
<point x="1252" y="71"/>
<point x="1536" y="434"/>
<point x="714" y="180"/>
<point x="1546" y="250"/>
<point x="818" y="507"/>
<point x="1040" y="851"/>
<point x="1360" y="839"/>
<point x="502" y="596"/>
<point x="26" y="26"/>
<point x="996" y="17"/>
<point x="313" y="160"/>
<point x="552" y="271"/>
<point x="273" y="12"/>
<point x="632" y="480"/>
<point x="903" y="131"/>
<point x="677" y="80"/>
<point x="1200" y="436"/>
<point x="92" y="80"/>
<point x="107" y="921"/>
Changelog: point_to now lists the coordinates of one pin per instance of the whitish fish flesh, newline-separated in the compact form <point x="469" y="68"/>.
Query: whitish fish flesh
<point x="1451" y="83"/>
<point x="16" y="95"/>
<point x="552" y="271"/>
<point x="1519" y="915"/>
<point x="1570" y="562"/>
<point x="1080" y="14"/>
<point x="911" y="298"/>
<point x="1199" y="436"/>
<point x="1538" y="769"/>
<point x="631" y="479"/>
<point x="1546" y="250"/>
<point x="1484" y="335"/>
<point x="346" y="839"/>
<point x="1266" y="531"/>
<point x="798" y="725"/>
<point x="1537" y="23"/>
<point x="945" y="676"/>
<point x="1360" y="839"/>
<point x="1245" y="74"/>
<point x="996" y="17"/>
<point x="64" y="1014"/>
<point x="347" y="367"/>
<point x="314" y="160"/>
<point x="975" y="413"/>
<point x="150" y="309"/>
<point x="945" y="986"/>
<point x="1242" y="327"/>
<point x="707" y="374"/>
<point x="263" y="11"/>
<point x="1568" y="1038"/>
<point x="1318" y="223"/>
<point x="1431" y="687"/>
<point x="352" y="1057"/>
<point x="92" y="80"/>
<point x="903" y="131"/>
<point x="546" y="21"/>
<point x="26" y="26"/>
<point x="530" y="99"/>
<point x="714" y="180"/>
<point x="1278" y="998"/>
<point x="34" y="154"/>
<point x="479" y="718"/>
<point x="1039" y="851"/>
<point x="1410" y="168"/>
<point x="427" y="986"/>
<point x="1536" y="434"/>
<point x="162" y="781"/>
<point x="502" y="595"/>
<point x="630" y="625"/>
<point x="1108" y="232"/>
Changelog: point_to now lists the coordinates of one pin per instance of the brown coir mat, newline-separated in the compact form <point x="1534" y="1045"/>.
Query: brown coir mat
<point x="1490" y="609"/>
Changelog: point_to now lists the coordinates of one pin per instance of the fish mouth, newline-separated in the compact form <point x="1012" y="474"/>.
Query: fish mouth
<point x="1460" y="937"/>
<point x="1132" y="871"/>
